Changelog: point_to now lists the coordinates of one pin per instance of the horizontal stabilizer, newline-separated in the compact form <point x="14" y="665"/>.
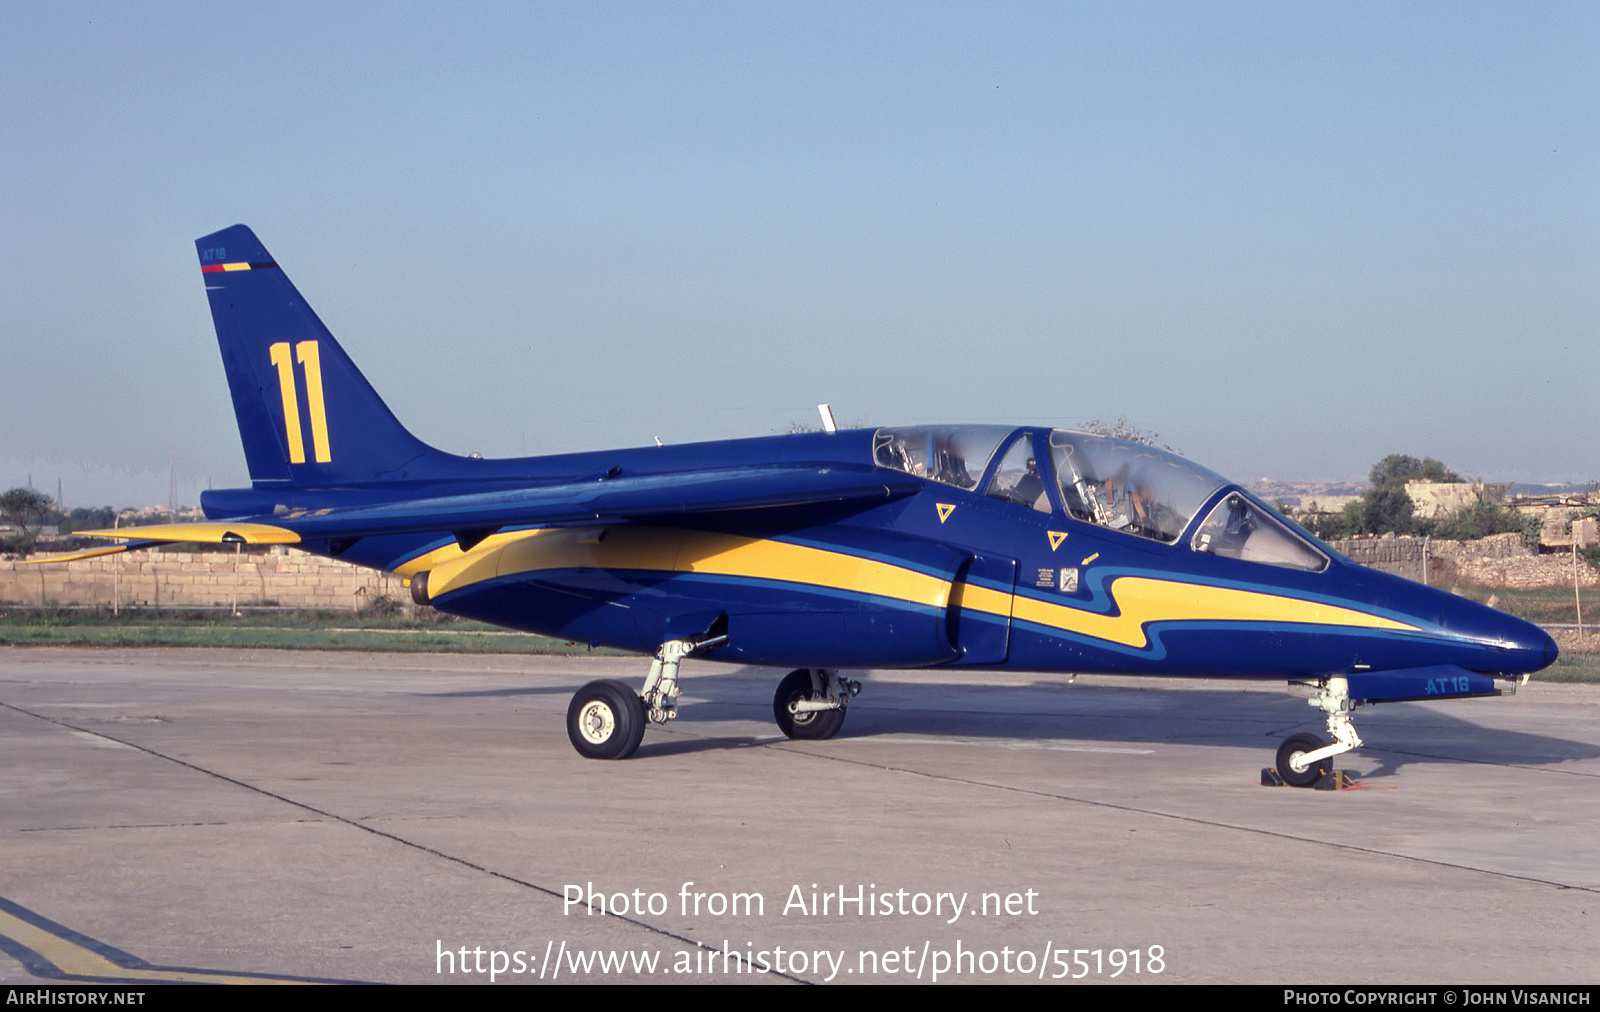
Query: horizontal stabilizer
<point x="205" y="533"/>
<point x="92" y="553"/>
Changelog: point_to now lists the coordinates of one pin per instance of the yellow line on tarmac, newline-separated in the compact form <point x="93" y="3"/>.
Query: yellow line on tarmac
<point x="76" y="960"/>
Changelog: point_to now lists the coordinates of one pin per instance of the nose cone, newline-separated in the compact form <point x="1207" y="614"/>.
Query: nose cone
<point x="1457" y="630"/>
<point x="1515" y="646"/>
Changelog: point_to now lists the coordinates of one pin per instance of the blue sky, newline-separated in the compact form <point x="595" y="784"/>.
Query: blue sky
<point x="1291" y="238"/>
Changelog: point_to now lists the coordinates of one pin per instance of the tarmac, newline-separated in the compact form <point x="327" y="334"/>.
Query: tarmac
<point x="264" y="816"/>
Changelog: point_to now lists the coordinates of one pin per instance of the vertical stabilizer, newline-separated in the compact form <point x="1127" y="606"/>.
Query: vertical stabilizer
<point x="306" y="414"/>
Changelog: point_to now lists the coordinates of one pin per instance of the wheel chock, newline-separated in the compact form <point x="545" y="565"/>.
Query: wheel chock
<point x="1338" y="780"/>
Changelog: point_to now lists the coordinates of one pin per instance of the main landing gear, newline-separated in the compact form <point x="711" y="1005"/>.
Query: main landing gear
<point x="606" y="719"/>
<point x="810" y="703"/>
<point x="1304" y="759"/>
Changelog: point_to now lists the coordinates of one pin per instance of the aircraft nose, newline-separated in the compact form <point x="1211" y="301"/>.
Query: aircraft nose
<point x="1531" y="647"/>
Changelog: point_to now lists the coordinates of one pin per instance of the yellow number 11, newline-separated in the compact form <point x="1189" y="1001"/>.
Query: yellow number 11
<point x="306" y="355"/>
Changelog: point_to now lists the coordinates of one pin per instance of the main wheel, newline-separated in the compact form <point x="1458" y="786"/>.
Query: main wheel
<point x="815" y="725"/>
<point x="1292" y="766"/>
<point x="606" y="720"/>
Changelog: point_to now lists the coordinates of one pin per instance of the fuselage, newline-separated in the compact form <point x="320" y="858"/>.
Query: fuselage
<point x="1029" y="549"/>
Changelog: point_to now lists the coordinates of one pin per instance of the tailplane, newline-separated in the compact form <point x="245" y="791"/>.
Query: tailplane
<point x="306" y="414"/>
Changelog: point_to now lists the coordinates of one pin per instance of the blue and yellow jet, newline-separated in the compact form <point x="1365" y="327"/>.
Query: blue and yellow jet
<point x="981" y="546"/>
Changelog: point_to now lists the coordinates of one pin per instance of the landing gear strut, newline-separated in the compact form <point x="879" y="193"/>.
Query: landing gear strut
<point x="810" y="703"/>
<point x="606" y="719"/>
<point x="1304" y="759"/>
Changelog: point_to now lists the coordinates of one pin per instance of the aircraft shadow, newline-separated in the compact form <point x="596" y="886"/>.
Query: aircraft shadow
<point x="1055" y="714"/>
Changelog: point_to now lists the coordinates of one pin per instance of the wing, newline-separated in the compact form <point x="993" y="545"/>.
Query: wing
<point x="731" y="495"/>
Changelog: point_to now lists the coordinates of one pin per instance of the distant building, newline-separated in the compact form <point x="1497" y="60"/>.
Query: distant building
<point x="1433" y="499"/>
<point x="1560" y="518"/>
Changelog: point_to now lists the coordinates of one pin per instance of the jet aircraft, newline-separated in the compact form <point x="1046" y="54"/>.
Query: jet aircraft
<point x="922" y="546"/>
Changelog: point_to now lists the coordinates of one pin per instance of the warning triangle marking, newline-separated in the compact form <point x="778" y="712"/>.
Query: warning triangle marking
<point x="1056" y="537"/>
<point x="945" y="509"/>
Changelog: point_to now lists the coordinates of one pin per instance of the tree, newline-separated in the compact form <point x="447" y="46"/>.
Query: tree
<point x="25" y="509"/>
<point x="1386" y="508"/>
<point x="1124" y="429"/>
<point x="1399" y="468"/>
<point x="87" y="519"/>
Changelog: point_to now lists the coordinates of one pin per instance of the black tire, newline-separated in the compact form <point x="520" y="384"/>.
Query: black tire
<point x="818" y="725"/>
<point x="1295" y="746"/>
<point x="606" y="720"/>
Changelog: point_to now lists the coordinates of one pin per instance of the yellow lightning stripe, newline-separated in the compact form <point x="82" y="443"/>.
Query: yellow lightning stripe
<point x="205" y="532"/>
<point x="727" y="555"/>
<point x="967" y="597"/>
<point x="677" y="552"/>
<point x="437" y="558"/>
<point x="1142" y="600"/>
<point x="75" y="960"/>
<point x="236" y="267"/>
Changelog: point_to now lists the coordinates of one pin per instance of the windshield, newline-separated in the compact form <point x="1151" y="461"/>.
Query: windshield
<point x="1240" y="528"/>
<point x="1129" y="487"/>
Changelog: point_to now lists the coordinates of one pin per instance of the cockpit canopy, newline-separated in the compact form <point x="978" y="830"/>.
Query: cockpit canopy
<point x="1113" y="483"/>
<point x="1129" y="486"/>
<point x="949" y="454"/>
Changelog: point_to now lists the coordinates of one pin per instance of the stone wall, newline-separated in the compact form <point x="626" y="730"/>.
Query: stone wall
<point x="1500" y="560"/>
<point x="202" y="579"/>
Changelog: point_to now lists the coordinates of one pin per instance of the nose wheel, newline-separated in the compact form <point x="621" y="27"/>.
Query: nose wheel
<point x="1292" y="765"/>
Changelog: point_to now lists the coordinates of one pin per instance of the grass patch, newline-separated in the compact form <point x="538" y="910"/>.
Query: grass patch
<point x="1572" y="668"/>
<point x="1540" y="605"/>
<point x="271" y="628"/>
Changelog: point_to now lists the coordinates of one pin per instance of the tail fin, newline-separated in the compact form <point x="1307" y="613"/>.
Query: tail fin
<point x="306" y="414"/>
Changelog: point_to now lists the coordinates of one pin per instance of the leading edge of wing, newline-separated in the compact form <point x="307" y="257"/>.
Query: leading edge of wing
<point x="720" y="494"/>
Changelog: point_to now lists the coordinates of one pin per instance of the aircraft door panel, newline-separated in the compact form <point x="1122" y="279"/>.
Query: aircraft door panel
<point x="979" y="616"/>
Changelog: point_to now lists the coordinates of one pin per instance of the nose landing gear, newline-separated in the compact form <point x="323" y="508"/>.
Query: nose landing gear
<point x="1305" y="759"/>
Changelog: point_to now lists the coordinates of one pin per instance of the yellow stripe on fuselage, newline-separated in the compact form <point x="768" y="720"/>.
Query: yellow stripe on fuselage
<point x="1140" y="600"/>
<point x="674" y="551"/>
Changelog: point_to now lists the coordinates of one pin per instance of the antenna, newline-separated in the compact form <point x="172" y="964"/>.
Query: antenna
<point x="827" y="418"/>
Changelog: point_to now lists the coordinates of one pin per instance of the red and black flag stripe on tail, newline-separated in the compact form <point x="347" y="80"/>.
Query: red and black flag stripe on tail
<point x="215" y="268"/>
